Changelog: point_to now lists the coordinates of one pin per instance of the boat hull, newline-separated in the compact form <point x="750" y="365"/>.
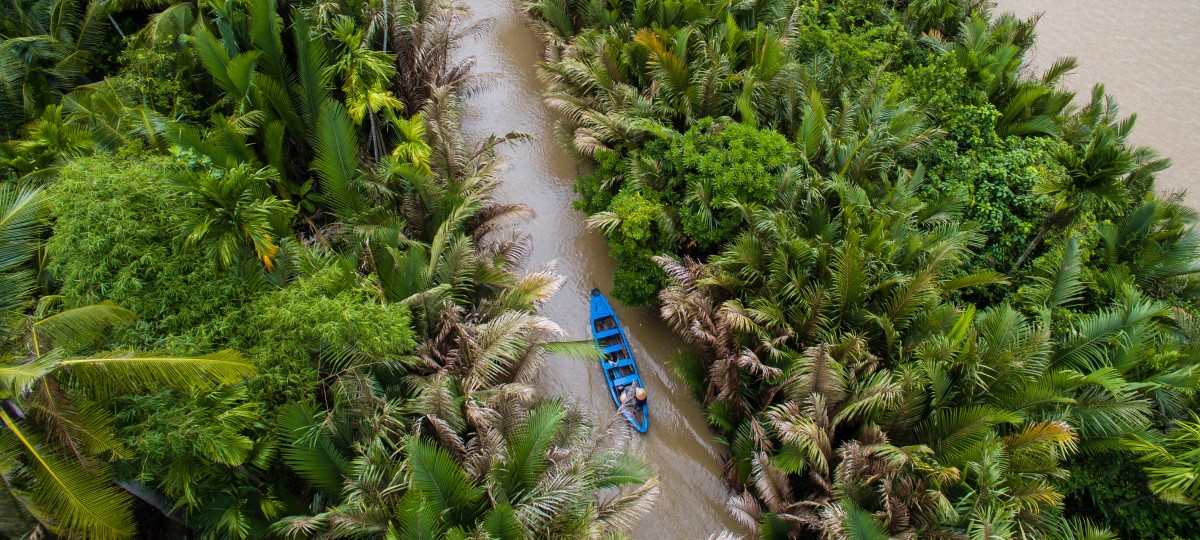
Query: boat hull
<point x="616" y="361"/>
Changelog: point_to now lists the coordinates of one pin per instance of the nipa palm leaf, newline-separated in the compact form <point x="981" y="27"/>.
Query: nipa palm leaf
<point x="112" y="375"/>
<point x="81" y="503"/>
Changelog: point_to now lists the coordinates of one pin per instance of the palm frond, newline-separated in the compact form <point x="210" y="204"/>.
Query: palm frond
<point x="336" y="161"/>
<point x="310" y="452"/>
<point x="83" y="326"/>
<point x="584" y="349"/>
<point x="112" y="375"/>
<point x="438" y="476"/>
<point x="20" y="220"/>
<point x="82" y="502"/>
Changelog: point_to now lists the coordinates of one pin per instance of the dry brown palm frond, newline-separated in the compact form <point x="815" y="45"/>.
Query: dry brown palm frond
<point x="622" y="513"/>
<point x="832" y="521"/>
<point x="614" y="435"/>
<point x="442" y="350"/>
<point x="301" y="526"/>
<point x="357" y="520"/>
<point x="495" y="217"/>
<point x="745" y="509"/>
<point x="819" y="373"/>
<point x="512" y="252"/>
<point x="773" y="486"/>
<point x="442" y="113"/>
<point x="804" y="427"/>
<point x="586" y="144"/>
<point x="425" y="46"/>
<point x="503" y="344"/>
<point x="750" y="362"/>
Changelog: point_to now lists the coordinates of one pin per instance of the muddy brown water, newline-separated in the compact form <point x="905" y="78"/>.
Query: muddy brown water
<point x="538" y="173"/>
<point x="1147" y="52"/>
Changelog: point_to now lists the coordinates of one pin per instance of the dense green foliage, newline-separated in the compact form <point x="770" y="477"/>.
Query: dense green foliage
<point x="926" y="286"/>
<point x="116" y="223"/>
<point x="287" y="180"/>
<point x="255" y="283"/>
<point x="693" y="191"/>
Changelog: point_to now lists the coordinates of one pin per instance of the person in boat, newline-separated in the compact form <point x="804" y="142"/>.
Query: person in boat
<point x="614" y="357"/>
<point x="639" y="397"/>
<point x="626" y="392"/>
<point x="631" y="392"/>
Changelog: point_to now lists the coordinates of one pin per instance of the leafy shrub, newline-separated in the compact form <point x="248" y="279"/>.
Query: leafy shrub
<point x="861" y="34"/>
<point x="116" y="221"/>
<point x="718" y="165"/>
<point x="151" y="76"/>
<point x="958" y="107"/>
<point x="689" y="203"/>
<point x="997" y="185"/>
<point x="285" y="331"/>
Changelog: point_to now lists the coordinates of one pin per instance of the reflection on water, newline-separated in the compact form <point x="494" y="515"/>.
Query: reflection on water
<point x="539" y="174"/>
<point x="1147" y="53"/>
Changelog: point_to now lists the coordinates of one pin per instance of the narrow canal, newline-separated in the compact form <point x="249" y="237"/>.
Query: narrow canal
<point x="538" y="173"/>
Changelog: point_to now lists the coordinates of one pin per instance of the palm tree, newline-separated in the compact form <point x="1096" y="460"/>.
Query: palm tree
<point x="864" y="135"/>
<point x="55" y="443"/>
<point x="992" y="52"/>
<point x="46" y="49"/>
<point x="468" y="449"/>
<point x="961" y="414"/>
<point x="449" y="246"/>
<point x="409" y="486"/>
<point x="1156" y="245"/>
<point x="423" y="37"/>
<point x="675" y="64"/>
<point x="1173" y="463"/>
<point x="232" y="211"/>
<point x="825" y="395"/>
<point x="50" y="141"/>
<point x="1100" y="167"/>
<point x="366" y="76"/>
<point x="690" y="309"/>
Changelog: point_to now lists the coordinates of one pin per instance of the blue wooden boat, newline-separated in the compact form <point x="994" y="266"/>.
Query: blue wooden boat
<point x="616" y="360"/>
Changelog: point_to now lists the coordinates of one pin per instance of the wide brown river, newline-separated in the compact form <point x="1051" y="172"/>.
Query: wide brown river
<point x="1147" y="52"/>
<point x="679" y="444"/>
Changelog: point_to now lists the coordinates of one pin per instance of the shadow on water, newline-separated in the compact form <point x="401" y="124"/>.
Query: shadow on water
<point x="539" y="174"/>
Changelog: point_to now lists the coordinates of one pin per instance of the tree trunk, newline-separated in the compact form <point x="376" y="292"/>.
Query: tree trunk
<point x="387" y="27"/>
<point x="374" y="141"/>
<point x="1037" y="240"/>
<point x="317" y="231"/>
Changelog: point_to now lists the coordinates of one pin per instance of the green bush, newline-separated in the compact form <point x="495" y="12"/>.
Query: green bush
<point x="688" y="202"/>
<point x="152" y="76"/>
<point x="719" y="164"/>
<point x="957" y="106"/>
<point x="286" y="330"/>
<point x="862" y="34"/>
<point x="116" y="223"/>
<point x="997" y="183"/>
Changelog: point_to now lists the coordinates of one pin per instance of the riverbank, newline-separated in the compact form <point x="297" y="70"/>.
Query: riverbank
<point x="1146" y="54"/>
<point x="538" y="173"/>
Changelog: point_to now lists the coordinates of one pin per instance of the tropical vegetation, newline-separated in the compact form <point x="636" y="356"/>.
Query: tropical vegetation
<point x="256" y="285"/>
<point x="931" y="293"/>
